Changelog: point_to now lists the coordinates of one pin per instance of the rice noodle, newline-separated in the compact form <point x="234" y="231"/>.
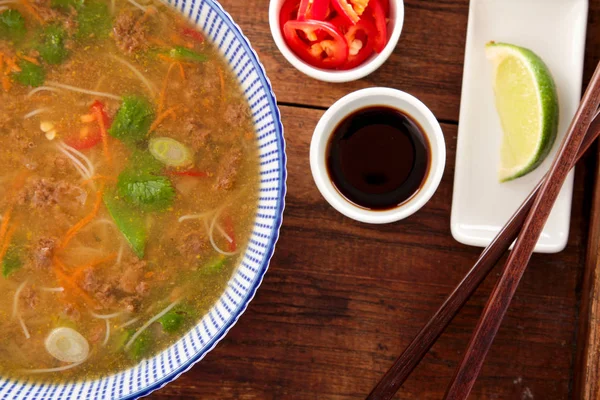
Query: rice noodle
<point x="53" y="289"/>
<point x="120" y="253"/>
<point x="130" y="322"/>
<point x="222" y="232"/>
<point x="15" y="309"/>
<point x="84" y="91"/>
<point x="90" y="166"/>
<point x="46" y="370"/>
<point x="24" y="327"/>
<point x="107" y="335"/>
<point x="85" y="174"/>
<point x="8" y="2"/>
<point x="42" y="89"/>
<point x="212" y="239"/>
<point x="138" y="5"/>
<point x="196" y="216"/>
<point x="151" y="87"/>
<point x="150" y="322"/>
<point x="36" y="112"/>
<point x="105" y="316"/>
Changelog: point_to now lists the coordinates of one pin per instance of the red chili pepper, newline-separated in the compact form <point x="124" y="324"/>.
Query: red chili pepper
<point x="364" y="34"/>
<point x="385" y="4"/>
<point x="289" y="11"/>
<point x="94" y="135"/>
<point x="230" y="231"/>
<point x="331" y="52"/>
<point x="376" y="12"/>
<point x="313" y="9"/>
<point x="193" y="34"/>
<point x="346" y="10"/>
<point x="190" y="172"/>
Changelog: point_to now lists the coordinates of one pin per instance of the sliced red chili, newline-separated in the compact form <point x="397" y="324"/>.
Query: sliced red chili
<point x="376" y="12"/>
<point x="193" y="34"/>
<point x="360" y="42"/>
<point x="313" y="9"/>
<point x="346" y="11"/>
<point x="385" y="4"/>
<point x="93" y="135"/>
<point x="331" y="52"/>
<point x="190" y="172"/>
<point x="85" y="142"/>
<point x="289" y="11"/>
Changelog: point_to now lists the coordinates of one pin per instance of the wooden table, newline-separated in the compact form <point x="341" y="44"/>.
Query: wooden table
<point x="342" y="299"/>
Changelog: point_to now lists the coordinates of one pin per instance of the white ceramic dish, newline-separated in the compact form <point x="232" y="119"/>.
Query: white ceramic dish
<point x="555" y="30"/>
<point x="370" y="65"/>
<point x="377" y="97"/>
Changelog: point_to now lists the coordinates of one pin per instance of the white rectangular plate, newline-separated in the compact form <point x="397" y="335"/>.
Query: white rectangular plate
<point x="555" y="30"/>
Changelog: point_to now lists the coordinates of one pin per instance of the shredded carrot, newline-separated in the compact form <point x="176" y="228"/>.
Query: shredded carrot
<point x="30" y="59"/>
<point x="65" y="280"/>
<point x="5" y="222"/>
<point x="6" y="85"/>
<point x="1" y="62"/>
<point x="163" y="92"/>
<point x="79" y="270"/>
<point x="84" y="221"/>
<point x="7" y="240"/>
<point x="158" y="41"/>
<point x="33" y="11"/>
<point x="12" y="65"/>
<point x="161" y="117"/>
<point x="103" y="133"/>
<point x="98" y="178"/>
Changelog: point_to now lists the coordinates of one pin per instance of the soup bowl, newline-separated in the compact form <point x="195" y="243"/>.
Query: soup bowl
<point x="155" y="372"/>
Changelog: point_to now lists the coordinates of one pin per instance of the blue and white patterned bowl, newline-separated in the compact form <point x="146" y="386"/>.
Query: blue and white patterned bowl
<point x="154" y="373"/>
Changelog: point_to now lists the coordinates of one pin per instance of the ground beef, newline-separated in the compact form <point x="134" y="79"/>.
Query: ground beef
<point x="72" y="312"/>
<point x="192" y="246"/>
<point x="43" y="252"/>
<point x="237" y="114"/>
<point x="132" y="276"/>
<point x="104" y="293"/>
<point x="29" y="297"/>
<point x="228" y="170"/>
<point x="130" y="35"/>
<point x="131" y="304"/>
<point x="43" y="193"/>
<point x="196" y="133"/>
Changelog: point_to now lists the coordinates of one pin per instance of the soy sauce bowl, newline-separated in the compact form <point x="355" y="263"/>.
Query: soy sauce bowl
<point x="374" y="97"/>
<point x="370" y="65"/>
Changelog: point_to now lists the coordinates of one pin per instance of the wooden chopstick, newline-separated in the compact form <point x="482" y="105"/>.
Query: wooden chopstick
<point x="393" y="379"/>
<point x="515" y="266"/>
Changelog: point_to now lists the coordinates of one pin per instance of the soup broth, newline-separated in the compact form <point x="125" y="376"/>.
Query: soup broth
<point x="128" y="183"/>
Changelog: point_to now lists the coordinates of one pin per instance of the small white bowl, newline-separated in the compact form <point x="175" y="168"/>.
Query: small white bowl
<point x="365" y="98"/>
<point x="396" y="20"/>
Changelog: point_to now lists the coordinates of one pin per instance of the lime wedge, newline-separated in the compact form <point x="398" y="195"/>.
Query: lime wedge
<point x="527" y="104"/>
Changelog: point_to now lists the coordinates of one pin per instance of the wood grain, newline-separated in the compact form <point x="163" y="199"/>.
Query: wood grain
<point x="342" y="299"/>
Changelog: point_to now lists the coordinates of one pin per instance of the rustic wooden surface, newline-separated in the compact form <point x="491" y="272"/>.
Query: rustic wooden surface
<point x="342" y="299"/>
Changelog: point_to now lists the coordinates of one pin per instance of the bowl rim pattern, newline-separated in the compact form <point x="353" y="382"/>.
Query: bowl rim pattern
<point x="11" y="388"/>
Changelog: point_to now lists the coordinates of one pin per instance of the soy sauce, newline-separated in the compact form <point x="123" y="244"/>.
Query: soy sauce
<point x="378" y="158"/>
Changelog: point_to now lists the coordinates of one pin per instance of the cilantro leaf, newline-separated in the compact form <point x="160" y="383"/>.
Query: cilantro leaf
<point x="30" y="74"/>
<point x="149" y="192"/>
<point x="133" y="120"/>
<point x="12" y="25"/>
<point x="93" y="20"/>
<point x="52" y="47"/>
<point x="12" y="261"/>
